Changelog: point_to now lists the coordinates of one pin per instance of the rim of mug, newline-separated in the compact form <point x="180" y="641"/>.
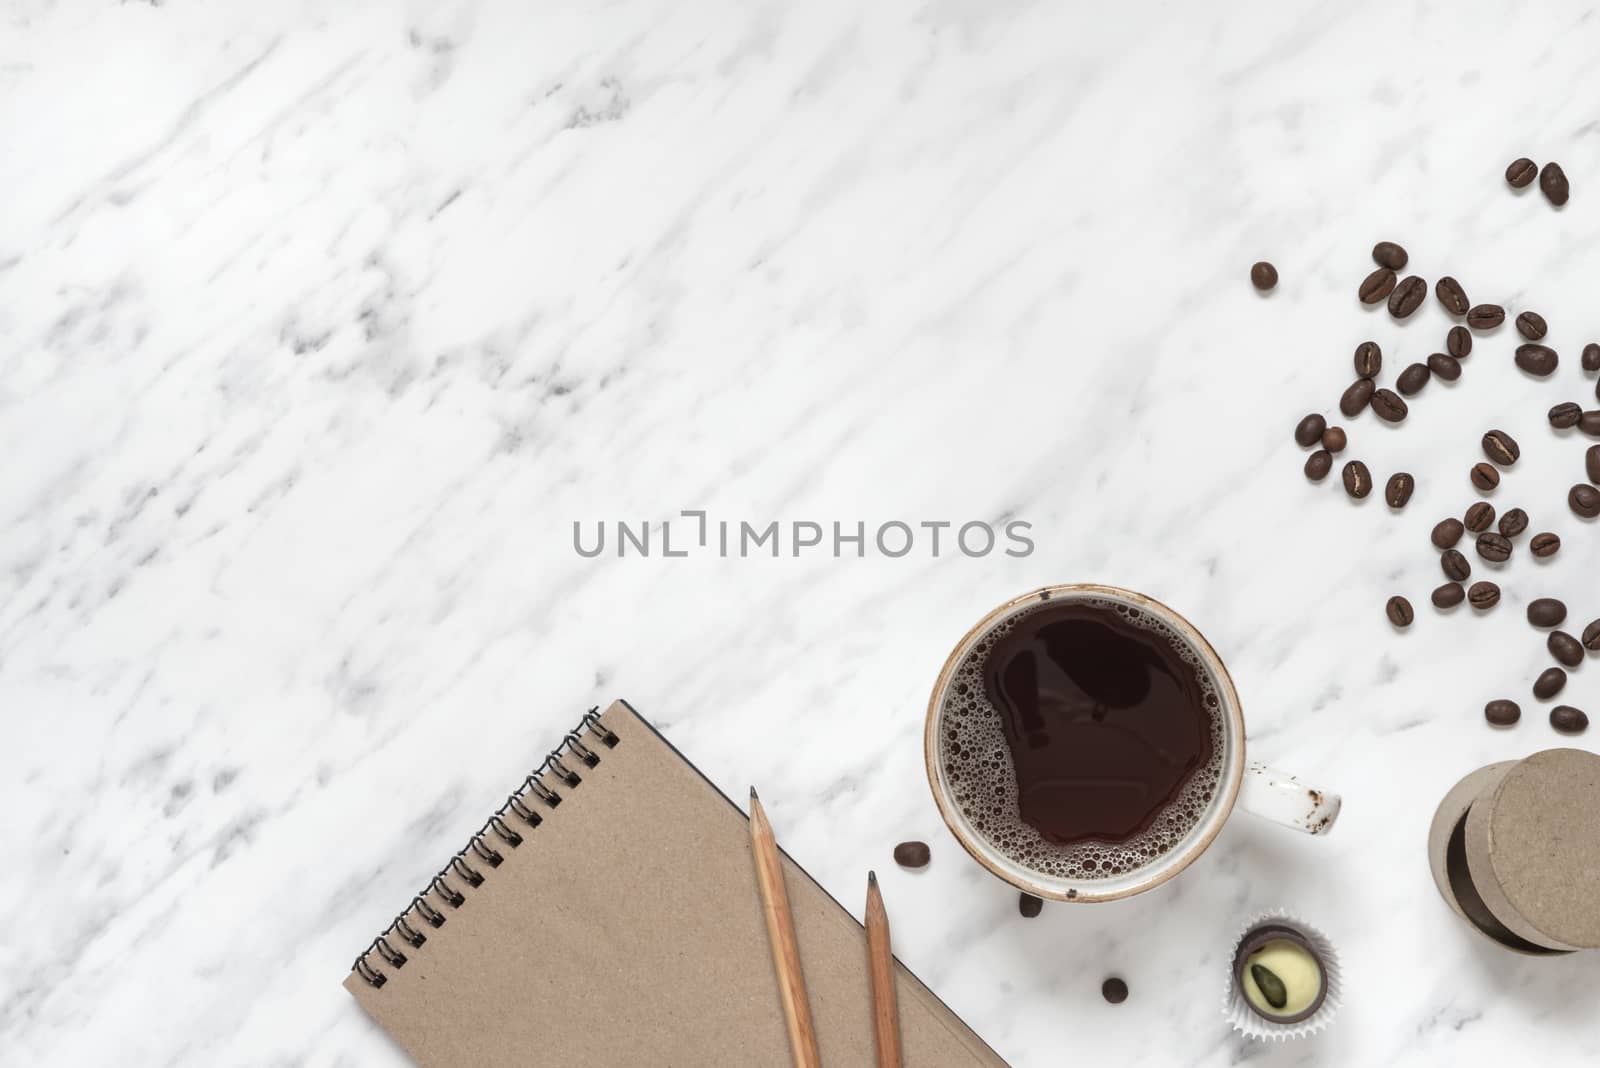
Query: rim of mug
<point x="1083" y="890"/>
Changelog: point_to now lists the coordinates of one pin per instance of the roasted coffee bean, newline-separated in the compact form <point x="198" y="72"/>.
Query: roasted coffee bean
<point x="1550" y="682"/>
<point x="1500" y="447"/>
<point x="1413" y="378"/>
<point x="1309" y="430"/>
<point x="1584" y="500"/>
<point x="1565" y="414"/>
<point x="1591" y="636"/>
<point x="1446" y="532"/>
<point x="1568" y="720"/>
<point x="1318" y="464"/>
<point x="1553" y="183"/>
<point x="1376" y="286"/>
<point x="1458" y="342"/>
<point x="1483" y="595"/>
<point x="1479" y="516"/>
<point x="1532" y="326"/>
<point x="1114" y="990"/>
<point x="1495" y="548"/>
<point x="1359" y="394"/>
<point x="1399" y="611"/>
<point x="1446" y="367"/>
<point x="1449" y="595"/>
<point x="1029" y="906"/>
<point x="1333" y="439"/>
<point x="1485" y="476"/>
<point x="1454" y="566"/>
<point x="1545" y="545"/>
<point x="1521" y="173"/>
<point x="1263" y="275"/>
<point x="1502" y="713"/>
<point x="1399" y="489"/>
<point x="1368" y="359"/>
<point x="912" y="854"/>
<point x="1357" y="479"/>
<point x="1407" y="297"/>
<point x="1591" y="357"/>
<point x="1588" y="423"/>
<point x="1565" y="648"/>
<point x="1513" y="522"/>
<point x="1485" y="316"/>
<point x="1390" y="255"/>
<point x="1537" y="359"/>
<point x="1591" y="463"/>
<point x="1388" y="406"/>
<point x="1452" y="296"/>
<point x="1546" y="612"/>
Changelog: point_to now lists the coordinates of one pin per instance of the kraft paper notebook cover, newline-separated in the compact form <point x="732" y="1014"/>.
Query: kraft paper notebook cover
<point x="608" y="915"/>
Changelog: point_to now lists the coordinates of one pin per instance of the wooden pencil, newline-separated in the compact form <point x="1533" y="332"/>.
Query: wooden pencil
<point x="780" y="933"/>
<point x="880" y="963"/>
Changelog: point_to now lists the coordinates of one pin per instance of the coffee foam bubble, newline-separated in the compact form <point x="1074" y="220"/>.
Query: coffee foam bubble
<point x="983" y="782"/>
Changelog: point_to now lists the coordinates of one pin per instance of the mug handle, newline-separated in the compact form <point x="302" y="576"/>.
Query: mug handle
<point x="1279" y="797"/>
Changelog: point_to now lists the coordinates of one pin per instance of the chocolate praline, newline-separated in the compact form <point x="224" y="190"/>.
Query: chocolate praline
<point x="1276" y="932"/>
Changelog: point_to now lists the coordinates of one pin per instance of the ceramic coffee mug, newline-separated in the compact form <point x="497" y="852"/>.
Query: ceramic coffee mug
<point x="1249" y="784"/>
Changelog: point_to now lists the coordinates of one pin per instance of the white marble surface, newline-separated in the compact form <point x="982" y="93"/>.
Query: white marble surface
<point x="321" y="324"/>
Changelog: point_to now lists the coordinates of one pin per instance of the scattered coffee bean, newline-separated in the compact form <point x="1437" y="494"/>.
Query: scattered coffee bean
<point x="1513" y="522"/>
<point x="1483" y="595"/>
<point x="1446" y="367"/>
<point x="1357" y="479"/>
<point x="1591" y="636"/>
<point x="1479" y="517"/>
<point x="1568" y="720"/>
<point x="1318" y="464"/>
<point x="1455" y="566"/>
<point x="1399" y="489"/>
<point x="1537" y="359"/>
<point x="1458" y="342"/>
<point x="1546" y="612"/>
<point x="1368" y="359"/>
<point x="1333" y="439"/>
<point x="1114" y="990"/>
<point x="912" y="854"/>
<point x="1359" y="394"/>
<point x="1532" y="326"/>
<point x="1565" y="648"/>
<point x="1545" y="545"/>
<point x="1390" y="255"/>
<point x="1413" y="378"/>
<point x="1485" y="476"/>
<point x="1407" y="297"/>
<point x="1495" y="548"/>
<point x="1399" y="611"/>
<point x="1565" y="414"/>
<point x="1553" y="183"/>
<point x="1588" y="423"/>
<point x="1591" y="463"/>
<point x="1029" y="906"/>
<point x="1452" y="296"/>
<point x="1446" y="532"/>
<point x="1263" y="275"/>
<point x="1485" y="316"/>
<point x="1498" y="446"/>
<point x="1550" y="682"/>
<point x="1449" y="595"/>
<point x="1502" y="713"/>
<point x="1584" y="500"/>
<point x="1376" y="286"/>
<point x="1309" y="430"/>
<point x="1521" y="173"/>
<point x="1388" y="406"/>
<point x="1591" y="357"/>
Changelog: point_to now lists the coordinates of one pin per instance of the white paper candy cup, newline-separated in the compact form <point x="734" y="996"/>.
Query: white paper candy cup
<point x="1250" y="1023"/>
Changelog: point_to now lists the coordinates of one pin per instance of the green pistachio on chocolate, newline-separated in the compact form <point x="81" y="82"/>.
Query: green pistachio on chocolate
<point x="1272" y="987"/>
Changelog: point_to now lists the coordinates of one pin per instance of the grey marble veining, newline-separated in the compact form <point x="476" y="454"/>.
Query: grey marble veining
<point x="321" y="325"/>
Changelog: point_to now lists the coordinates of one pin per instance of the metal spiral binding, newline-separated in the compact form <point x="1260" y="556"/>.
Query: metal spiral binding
<point x="466" y="868"/>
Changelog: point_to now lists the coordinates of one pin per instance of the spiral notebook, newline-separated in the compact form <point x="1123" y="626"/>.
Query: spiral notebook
<point x="607" y="914"/>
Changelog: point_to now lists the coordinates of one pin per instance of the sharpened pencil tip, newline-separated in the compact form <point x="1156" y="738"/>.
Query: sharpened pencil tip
<point x="753" y="796"/>
<point x="872" y="878"/>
